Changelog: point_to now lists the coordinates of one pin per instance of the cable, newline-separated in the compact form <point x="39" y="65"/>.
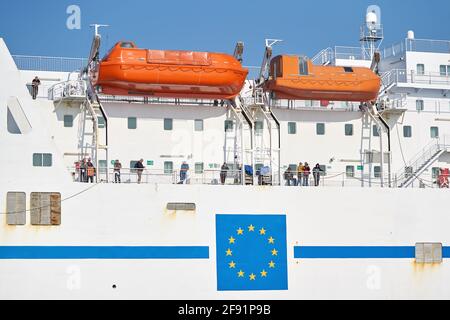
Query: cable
<point x="63" y="200"/>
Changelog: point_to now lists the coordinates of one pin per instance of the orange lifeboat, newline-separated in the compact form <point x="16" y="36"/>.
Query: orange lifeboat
<point x="127" y="70"/>
<point x="296" y="78"/>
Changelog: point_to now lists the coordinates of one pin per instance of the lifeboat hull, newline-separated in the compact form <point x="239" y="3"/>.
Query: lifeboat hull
<point x="177" y="74"/>
<point x="353" y="91"/>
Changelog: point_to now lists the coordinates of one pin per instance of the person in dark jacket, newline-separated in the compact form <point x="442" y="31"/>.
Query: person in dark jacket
<point x="316" y="172"/>
<point x="35" y="87"/>
<point x="139" y="166"/>
<point x="306" y="175"/>
<point x="224" y="173"/>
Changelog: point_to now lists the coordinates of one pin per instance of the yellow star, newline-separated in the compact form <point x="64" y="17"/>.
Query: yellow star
<point x="271" y="240"/>
<point x="240" y="232"/>
<point x="232" y="265"/>
<point x="262" y="231"/>
<point x="264" y="274"/>
<point x="241" y="274"/>
<point x="232" y="240"/>
<point x="252" y="277"/>
<point x="272" y="265"/>
<point x="229" y="253"/>
<point x="274" y="252"/>
<point x="251" y="228"/>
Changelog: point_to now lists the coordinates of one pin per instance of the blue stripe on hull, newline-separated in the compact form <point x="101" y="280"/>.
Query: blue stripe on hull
<point x="113" y="253"/>
<point x="354" y="252"/>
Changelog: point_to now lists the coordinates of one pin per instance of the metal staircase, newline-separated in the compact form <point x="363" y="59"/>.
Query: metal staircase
<point x="421" y="162"/>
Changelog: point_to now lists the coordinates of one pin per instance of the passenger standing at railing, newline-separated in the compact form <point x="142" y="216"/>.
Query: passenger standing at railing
<point x="184" y="172"/>
<point x="139" y="166"/>
<point x="83" y="168"/>
<point x="316" y="172"/>
<point x="90" y="171"/>
<point x="301" y="171"/>
<point x="35" y="87"/>
<point x="306" y="174"/>
<point x="117" y="168"/>
<point x="224" y="173"/>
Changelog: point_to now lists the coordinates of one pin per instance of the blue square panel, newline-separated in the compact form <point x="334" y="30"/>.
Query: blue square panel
<point x="251" y="252"/>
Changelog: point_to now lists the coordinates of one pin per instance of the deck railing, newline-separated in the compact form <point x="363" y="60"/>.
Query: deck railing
<point x="55" y="64"/>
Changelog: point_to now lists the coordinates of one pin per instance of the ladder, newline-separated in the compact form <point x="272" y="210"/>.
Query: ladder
<point x="239" y="141"/>
<point x="91" y="112"/>
<point x="371" y="117"/>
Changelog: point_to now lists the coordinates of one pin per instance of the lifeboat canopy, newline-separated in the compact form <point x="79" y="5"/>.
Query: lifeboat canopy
<point x="128" y="70"/>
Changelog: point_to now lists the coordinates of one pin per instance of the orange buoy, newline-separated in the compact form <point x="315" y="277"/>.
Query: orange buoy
<point x="128" y="70"/>
<point x="296" y="78"/>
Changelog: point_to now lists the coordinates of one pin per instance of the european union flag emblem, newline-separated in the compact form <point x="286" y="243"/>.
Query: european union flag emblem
<point x="251" y="252"/>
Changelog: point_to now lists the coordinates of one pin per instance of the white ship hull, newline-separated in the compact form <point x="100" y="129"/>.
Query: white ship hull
<point x="136" y="216"/>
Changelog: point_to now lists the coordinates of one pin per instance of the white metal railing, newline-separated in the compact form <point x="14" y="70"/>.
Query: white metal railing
<point x="396" y="76"/>
<point x="416" y="45"/>
<point x="324" y="57"/>
<point x="42" y="63"/>
<point x="351" y="53"/>
<point x="315" y="105"/>
<point x="234" y="177"/>
<point x="68" y="89"/>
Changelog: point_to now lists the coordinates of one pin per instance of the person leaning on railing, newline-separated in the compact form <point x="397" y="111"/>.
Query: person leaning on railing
<point x="139" y="167"/>
<point x="117" y="169"/>
<point x="35" y="87"/>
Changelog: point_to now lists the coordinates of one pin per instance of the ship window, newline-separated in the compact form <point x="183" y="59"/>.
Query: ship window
<point x="435" y="173"/>
<point x="292" y="128"/>
<point x="348" y="69"/>
<point x="445" y="70"/>
<point x="229" y="125"/>
<point x="259" y="127"/>
<point x="68" y="121"/>
<point x="101" y="123"/>
<point x="16" y="208"/>
<point x="133" y="164"/>
<point x="420" y="69"/>
<point x="132" y="123"/>
<point x="434" y="132"/>
<point x="45" y="209"/>
<point x="376" y="131"/>
<point x="102" y="166"/>
<point x="323" y="171"/>
<point x="168" y="167"/>
<point x="350" y="171"/>
<point x="349" y="130"/>
<point x="42" y="160"/>
<point x="127" y="45"/>
<point x="320" y="129"/>
<point x="168" y="124"/>
<point x="377" y="172"/>
<point x="407" y="131"/>
<point x="199" y="125"/>
<point x="303" y="66"/>
<point x="420" y="106"/>
<point x="199" y="168"/>
<point x="429" y="253"/>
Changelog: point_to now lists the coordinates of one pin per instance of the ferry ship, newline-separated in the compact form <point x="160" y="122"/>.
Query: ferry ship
<point x="220" y="207"/>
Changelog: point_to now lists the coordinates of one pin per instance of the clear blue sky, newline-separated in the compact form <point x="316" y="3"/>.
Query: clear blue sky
<point x="39" y="27"/>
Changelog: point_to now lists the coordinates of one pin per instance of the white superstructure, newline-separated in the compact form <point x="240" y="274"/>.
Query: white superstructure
<point x="363" y="227"/>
